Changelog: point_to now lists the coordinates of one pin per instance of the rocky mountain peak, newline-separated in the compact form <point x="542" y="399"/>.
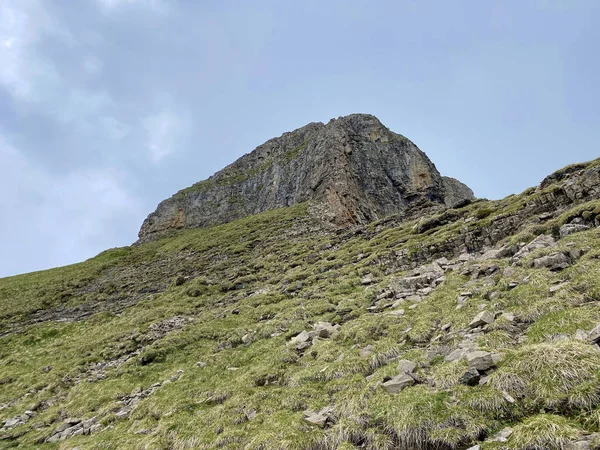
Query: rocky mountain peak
<point x="354" y="166"/>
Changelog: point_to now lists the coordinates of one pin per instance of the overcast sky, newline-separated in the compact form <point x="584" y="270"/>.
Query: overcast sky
<point x="109" y="106"/>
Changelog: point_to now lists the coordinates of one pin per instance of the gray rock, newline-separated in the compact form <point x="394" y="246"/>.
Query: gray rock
<point x="480" y="360"/>
<point x="502" y="436"/>
<point x="470" y="378"/>
<point x="398" y="383"/>
<point x="324" y="329"/>
<point x="542" y="241"/>
<point x="481" y="319"/>
<point x="594" y="336"/>
<point x="554" y="261"/>
<point x="406" y="366"/>
<point x="304" y="336"/>
<point x="571" y="228"/>
<point x="354" y="166"/>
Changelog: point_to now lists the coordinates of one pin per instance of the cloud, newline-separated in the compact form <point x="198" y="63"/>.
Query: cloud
<point x="76" y="213"/>
<point x="166" y="131"/>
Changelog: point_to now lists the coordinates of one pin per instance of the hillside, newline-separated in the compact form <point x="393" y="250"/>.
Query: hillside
<point x="468" y="326"/>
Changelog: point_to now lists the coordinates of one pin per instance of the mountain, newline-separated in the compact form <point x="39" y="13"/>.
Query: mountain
<point x="354" y="166"/>
<point x="429" y="320"/>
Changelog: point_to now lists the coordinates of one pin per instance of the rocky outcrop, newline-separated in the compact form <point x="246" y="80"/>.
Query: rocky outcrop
<point x="354" y="165"/>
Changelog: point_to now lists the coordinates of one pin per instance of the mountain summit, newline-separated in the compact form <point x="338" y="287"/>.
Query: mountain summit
<point x="354" y="165"/>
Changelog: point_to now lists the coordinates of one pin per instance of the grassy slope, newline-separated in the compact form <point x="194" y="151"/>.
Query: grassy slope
<point x="269" y="277"/>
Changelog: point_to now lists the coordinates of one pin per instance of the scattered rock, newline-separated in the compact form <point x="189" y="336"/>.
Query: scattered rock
<point x="571" y="228"/>
<point x="554" y="261"/>
<point x="367" y="279"/>
<point x="480" y="360"/>
<point x="470" y="378"/>
<point x="542" y="241"/>
<point x="481" y="319"/>
<point x="398" y="383"/>
<point x="406" y="366"/>
<point x="502" y="436"/>
<point x="320" y="418"/>
<point x="594" y="335"/>
<point x="324" y="329"/>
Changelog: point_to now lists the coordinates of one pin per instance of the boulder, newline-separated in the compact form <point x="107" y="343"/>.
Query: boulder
<point x="305" y="336"/>
<point x="324" y="329"/>
<point x="406" y="366"/>
<point x="502" y="436"/>
<point x="481" y="319"/>
<point x="554" y="261"/>
<point x="571" y="228"/>
<point x="470" y="378"/>
<point x="594" y="336"/>
<point x="398" y="383"/>
<point x="480" y="360"/>
<point x="542" y="241"/>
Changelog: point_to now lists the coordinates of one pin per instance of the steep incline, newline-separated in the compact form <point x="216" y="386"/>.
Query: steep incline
<point x="357" y="168"/>
<point x="472" y="326"/>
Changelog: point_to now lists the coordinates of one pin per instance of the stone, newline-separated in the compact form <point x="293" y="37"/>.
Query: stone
<point x="578" y="445"/>
<point x="367" y="351"/>
<point x="366" y="280"/>
<point x="594" y="335"/>
<point x="406" y="366"/>
<point x="481" y="319"/>
<point x="542" y="241"/>
<point x="354" y="167"/>
<point x="398" y="383"/>
<point x="558" y="287"/>
<point x="475" y="447"/>
<point x="554" y="261"/>
<point x="571" y="228"/>
<point x="304" y="336"/>
<point x="470" y="378"/>
<point x="503" y="435"/>
<point x="319" y="419"/>
<point x="324" y="329"/>
<point x="480" y="360"/>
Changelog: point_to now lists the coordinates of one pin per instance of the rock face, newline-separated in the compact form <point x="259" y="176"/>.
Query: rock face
<point x="354" y="165"/>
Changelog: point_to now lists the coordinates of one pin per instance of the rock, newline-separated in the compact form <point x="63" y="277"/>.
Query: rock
<point x="11" y="423"/>
<point x="398" y="383"/>
<point x="319" y="419"/>
<point x="571" y="228"/>
<point x="406" y="366"/>
<point x="397" y="313"/>
<point x="324" y="329"/>
<point x="201" y="364"/>
<point x="446" y="327"/>
<point x="367" y="351"/>
<point x="594" y="335"/>
<point x="481" y="319"/>
<point x="475" y="447"/>
<point x="480" y="360"/>
<point x="366" y="280"/>
<point x="355" y="167"/>
<point x="502" y="436"/>
<point x="558" y="287"/>
<point x="179" y="281"/>
<point x="554" y="261"/>
<point x="542" y="241"/>
<point x="578" y="445"/>
<point x="304" y="336"/>
<point x="470" y="378"/>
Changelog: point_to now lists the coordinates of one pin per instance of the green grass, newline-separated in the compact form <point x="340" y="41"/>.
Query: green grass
<point x="250" y="286"/>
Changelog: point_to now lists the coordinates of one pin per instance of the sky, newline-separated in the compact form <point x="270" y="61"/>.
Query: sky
<point x="108" y="107"/>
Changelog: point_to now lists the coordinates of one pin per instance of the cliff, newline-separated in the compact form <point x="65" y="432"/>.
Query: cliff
<point x="354" y="166"/>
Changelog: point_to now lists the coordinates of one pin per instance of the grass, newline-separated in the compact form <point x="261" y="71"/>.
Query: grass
<point x="251" y="285"/>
